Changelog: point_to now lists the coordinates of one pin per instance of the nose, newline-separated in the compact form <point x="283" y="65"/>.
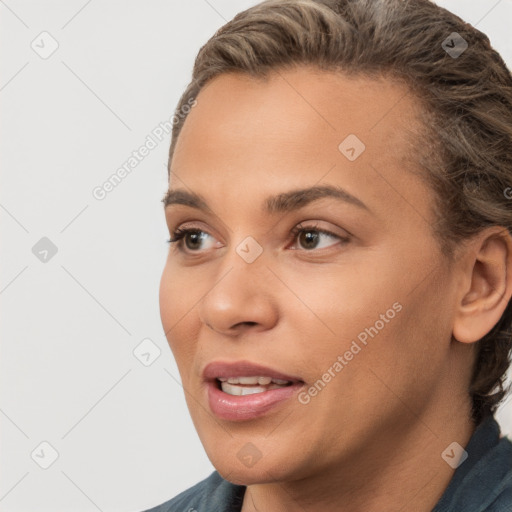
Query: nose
<point x="240" y="299"/>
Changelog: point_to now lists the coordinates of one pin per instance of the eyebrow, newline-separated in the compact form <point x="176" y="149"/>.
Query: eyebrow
<point x="283" y="202"/>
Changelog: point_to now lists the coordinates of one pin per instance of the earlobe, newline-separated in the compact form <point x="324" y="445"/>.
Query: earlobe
<point x="488" y="285"/>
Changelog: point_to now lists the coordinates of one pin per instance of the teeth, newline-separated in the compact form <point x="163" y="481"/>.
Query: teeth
<point x="233" y="389"/>
<point x="253" y="381"/>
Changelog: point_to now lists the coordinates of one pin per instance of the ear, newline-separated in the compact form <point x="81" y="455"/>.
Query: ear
<point x="487" y="284"/>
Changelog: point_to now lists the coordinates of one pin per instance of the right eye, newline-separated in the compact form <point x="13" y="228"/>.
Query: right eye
<point x="191" y="238"/>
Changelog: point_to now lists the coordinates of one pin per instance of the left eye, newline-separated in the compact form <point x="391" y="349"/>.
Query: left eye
<point x="309" y="237"/>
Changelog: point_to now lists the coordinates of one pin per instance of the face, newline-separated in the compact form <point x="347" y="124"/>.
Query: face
<point x="341" y="288"/>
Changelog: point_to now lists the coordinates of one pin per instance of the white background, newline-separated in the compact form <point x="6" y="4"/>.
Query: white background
<point x="69" y="326"/>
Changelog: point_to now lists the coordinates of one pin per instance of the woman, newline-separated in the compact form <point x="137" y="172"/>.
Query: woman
<point x="337" y="293"/>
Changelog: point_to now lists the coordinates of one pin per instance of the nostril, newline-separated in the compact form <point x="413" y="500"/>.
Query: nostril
<point x="248" y="324"/>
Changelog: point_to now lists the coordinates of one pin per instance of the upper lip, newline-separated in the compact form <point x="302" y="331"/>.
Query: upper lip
<point x="217" y="369"/>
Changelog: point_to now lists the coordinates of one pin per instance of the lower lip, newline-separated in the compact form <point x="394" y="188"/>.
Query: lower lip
<point x="248" y="407"/>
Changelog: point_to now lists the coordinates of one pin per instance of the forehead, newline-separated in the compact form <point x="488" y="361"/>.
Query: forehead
<point x="302" y="99"/>
<point x="293" y="129"/>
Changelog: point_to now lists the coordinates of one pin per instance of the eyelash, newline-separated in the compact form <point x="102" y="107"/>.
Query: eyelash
<point x="179" y="234"/>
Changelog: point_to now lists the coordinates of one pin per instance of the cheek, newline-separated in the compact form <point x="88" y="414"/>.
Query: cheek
<point x="176" y="307"/>
<point x="337" y="302"/>
<point x="167" y="299"/>
<point x="379" y="314"/>
<point x="179" y="291"/>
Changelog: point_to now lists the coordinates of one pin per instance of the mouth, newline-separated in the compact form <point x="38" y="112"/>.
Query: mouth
<point x="243" y="390"/>
<point x="241" y="386"/>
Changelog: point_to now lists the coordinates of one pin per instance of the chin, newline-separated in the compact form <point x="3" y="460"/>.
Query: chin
<point x="240" y="469"/>
<point x="246" y="476"/>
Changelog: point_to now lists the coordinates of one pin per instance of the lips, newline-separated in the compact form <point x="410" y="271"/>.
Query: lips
<point x="244" y="398"/>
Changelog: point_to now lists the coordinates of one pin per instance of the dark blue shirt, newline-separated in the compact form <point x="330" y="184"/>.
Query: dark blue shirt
<point x="483" y="482"/>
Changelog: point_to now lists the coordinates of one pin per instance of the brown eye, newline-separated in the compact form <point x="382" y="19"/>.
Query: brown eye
<point x="311" y="237"/>
<point x="192" y="238"/>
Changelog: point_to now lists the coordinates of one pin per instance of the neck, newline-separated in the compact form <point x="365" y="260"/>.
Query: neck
<point x="401" y="469"/>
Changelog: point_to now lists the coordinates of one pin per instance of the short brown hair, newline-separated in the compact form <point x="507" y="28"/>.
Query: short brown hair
<point x="466" y="151"/>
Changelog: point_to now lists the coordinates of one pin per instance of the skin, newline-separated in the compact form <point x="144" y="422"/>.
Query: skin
<point x="372" y="439"/>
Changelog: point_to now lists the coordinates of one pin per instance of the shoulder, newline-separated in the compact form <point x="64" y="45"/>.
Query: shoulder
<point x="483" y="483"/>
<point x="499" y="478"/>
<point x="213" y="493"/>
<point x="492" y="475"/>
